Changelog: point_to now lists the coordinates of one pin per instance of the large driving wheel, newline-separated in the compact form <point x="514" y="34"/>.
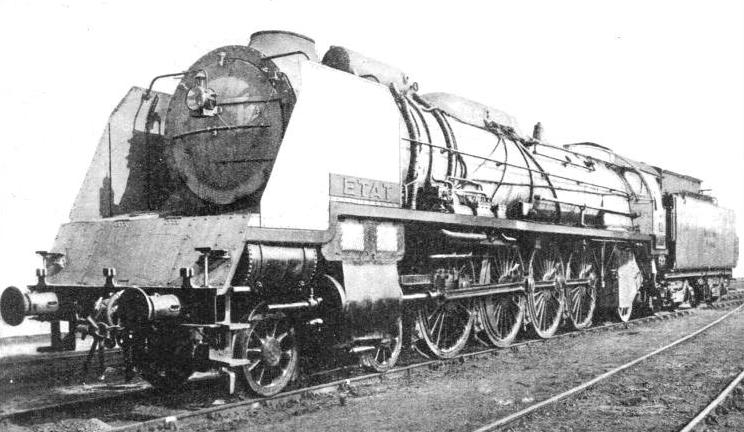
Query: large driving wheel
<point x="545" y="298"/>
<point x="581" y="300"/>
<point x="387" y="350"/>
<point x="271" y="346"/>
<point x="501" y="316"/>
<point x="444" y="326"/>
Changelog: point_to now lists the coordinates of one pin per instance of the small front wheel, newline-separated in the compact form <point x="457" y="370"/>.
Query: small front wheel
<point x="270" y="344"/>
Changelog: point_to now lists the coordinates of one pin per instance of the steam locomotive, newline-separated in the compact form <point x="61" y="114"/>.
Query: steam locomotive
<point x="277" y="205"/>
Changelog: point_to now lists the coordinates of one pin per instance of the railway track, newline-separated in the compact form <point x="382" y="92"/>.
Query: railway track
<point x="725" y="394"/>
<point x="335" y="382"/>
<point x="504" y="421"/>
<point x="30" y="366"/>
<point x="24" y="367"/>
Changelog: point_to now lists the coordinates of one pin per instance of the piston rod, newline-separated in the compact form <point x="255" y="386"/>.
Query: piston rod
<point x="304" y="304"/>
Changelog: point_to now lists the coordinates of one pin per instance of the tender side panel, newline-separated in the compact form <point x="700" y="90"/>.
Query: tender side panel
<point x="705" y="235"/>
<point x="672" y="182"/>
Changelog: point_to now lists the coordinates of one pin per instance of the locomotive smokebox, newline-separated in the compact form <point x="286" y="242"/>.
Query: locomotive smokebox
<point x="17" y="303"/>
<point x="225" y="152"/>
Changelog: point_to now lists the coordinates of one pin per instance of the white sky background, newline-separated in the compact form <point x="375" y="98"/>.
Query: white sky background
<point x="661" y="81"/>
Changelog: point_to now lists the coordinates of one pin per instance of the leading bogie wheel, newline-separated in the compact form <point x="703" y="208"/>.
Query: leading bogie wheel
<point x="163" y="356"/>
<point x="444" y="326"/>
<point x="500" y="316"/>
<point x="581" y="300"/>
<point x="387" y="350"/>
<point x="545" y="298"/>
<point x="271" y="346"/>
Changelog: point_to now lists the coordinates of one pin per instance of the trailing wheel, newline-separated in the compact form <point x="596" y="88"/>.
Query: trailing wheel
<point x="581" y="300"/>
<point x="500" y="316"/>
<point x="545" y="298"/>
<point x="384" y="357"/>
<point x="444" y="326"/>
<point x="271" y="346"/>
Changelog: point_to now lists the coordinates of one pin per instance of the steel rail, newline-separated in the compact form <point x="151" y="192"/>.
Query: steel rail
<point x="172" y="419"/>
<point x="575" y="390"/>
<point x="61" y="406"/>
<point x="714" y="404"/>
<point x="58" y="356"/>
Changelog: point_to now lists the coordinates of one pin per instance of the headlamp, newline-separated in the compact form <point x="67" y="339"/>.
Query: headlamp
<point x="200" y="100"/>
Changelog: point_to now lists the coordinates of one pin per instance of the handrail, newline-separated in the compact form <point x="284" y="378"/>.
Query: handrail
<point x="146" y="96"/>
<point x="498" y="163"/>
<point x="558" y="188"/>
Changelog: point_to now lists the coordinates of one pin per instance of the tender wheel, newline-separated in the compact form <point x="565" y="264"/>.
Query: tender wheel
<point x="581" y="300"/>
<point x="445" y="326"/>
<point x="164" y="357"/>
<point x="388" y="350"/>
<point x="692" y="296"/>
<point x="545" y="300"/>
<point x="500" y="316"/>
<point x="270" y="343"/>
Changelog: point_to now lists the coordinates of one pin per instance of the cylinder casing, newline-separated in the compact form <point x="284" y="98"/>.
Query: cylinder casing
<point x="276" y="268"/>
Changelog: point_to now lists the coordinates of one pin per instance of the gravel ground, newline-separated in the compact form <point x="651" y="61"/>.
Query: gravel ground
<point x="449" y="396"/>
<point x="728" y="416"/>
<point x="68" y="385"/>
<point x="656" y="395"/>
<point x="132" y="408"/>
<point x="663" y="393"/>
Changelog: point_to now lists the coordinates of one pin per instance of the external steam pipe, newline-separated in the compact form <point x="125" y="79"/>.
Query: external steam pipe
<point x="411" y="178"/>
